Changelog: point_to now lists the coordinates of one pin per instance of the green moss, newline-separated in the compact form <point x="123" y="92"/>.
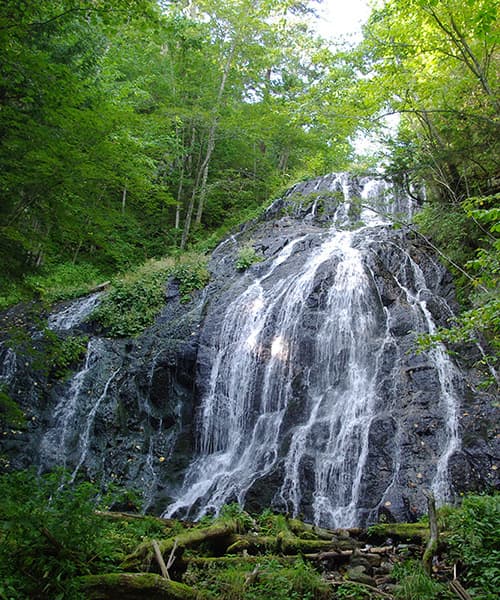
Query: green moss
<point x="11" y="414"/>
<point x="404" y="532"/>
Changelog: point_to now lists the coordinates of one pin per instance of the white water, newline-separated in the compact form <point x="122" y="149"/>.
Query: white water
<point x="69" y="436"/>
<point x="75" y="313"/>
<point x="256" y="358"/>
<point x="446" y="372"/>
<point x="8" y="366"/>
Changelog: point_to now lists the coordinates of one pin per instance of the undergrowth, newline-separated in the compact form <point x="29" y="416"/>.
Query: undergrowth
<point x="134" y="300"/>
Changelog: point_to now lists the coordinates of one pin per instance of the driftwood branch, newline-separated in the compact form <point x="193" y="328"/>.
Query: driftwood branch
<point x="460" y="591"/>
<point x="159" y="560"/>
<point x="171" y="558"/>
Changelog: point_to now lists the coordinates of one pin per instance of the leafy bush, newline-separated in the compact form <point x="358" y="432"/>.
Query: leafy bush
<point x="191" y="276"/>
<point x="135" y="300"/>
<point x="474" y="543"/>
<point x="131" y="306"/>
<point x="247" y="256"/>
<point x="64" y="281"/>
<point x="49" y="533"/>
<point x="415" y="584"/>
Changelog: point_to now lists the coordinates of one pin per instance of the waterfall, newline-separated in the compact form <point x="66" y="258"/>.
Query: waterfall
<point x="298" y="369"/>
<point x="75" y="313"/>
<point x="69" y="434"/>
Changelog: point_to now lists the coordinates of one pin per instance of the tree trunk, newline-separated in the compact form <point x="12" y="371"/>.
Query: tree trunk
<point x="212" y="132"/>
<point x="431" y="549"/>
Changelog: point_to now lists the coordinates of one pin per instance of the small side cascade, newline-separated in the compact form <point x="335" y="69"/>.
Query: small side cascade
<point x="75" y="313"/>
<point x="446" y="371"/>
<point x="8" y="364"/>
<point x="68" y="436"/>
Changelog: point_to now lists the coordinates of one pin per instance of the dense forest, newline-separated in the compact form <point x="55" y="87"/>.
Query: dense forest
<point x="135" y="135"/>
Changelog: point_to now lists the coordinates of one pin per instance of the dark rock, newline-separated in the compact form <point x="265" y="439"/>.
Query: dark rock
<point x="133" y="413"/>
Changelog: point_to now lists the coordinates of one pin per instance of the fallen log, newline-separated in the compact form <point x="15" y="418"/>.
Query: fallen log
<point x="140" y="559"/>
<point x="136" y="586"/>
<point x="288" y="543"/>
<point x="299" y="529"/>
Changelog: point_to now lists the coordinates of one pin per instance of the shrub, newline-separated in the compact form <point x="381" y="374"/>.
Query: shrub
<point x="191" y="276"/>
<point x="49" y="534"/>
<point x="247" y="256"/>
<point x="474" y="542"/>
<point x="136" y="299"/>
<point x="415" y="584"/>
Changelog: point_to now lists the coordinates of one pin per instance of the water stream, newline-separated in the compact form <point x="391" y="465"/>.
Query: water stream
<point x="266" y="373"/>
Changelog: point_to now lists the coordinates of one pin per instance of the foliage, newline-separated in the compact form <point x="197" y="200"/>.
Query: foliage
<point x="135" y="300"/>
<point x="235" y="512"/>
<point x="49" y="534"/>
<point x="191" y="275"/>
<point x="415" y="584"/>
<point x="352" y="591"/>
<point x="271" y="523"/>
<point x="474" y="543"/>
<point x="63" y="281"/>
<point x="59" y="354"/>
<point x="10" y="413"/>
<point x="247" y="256"/>
<point x="480" y="322"/>
<point x="128" y="130"/>
<point x="52" y="354"/>
<point x="275" y="581"/>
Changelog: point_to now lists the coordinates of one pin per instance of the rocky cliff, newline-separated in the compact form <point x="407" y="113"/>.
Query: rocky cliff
<point x="294" y="382"/>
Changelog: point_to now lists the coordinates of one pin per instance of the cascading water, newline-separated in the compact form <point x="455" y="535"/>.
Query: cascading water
<point x="295" y="384"/>
<point x="75" y="313"/>
<point x="69" y="434"/>
<point x="299" y="408"/>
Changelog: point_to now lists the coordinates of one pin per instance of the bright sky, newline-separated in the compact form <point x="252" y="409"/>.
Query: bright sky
<point x="342" y="18"/>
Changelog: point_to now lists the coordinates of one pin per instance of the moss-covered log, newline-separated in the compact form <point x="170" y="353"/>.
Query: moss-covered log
<point x="308" y="531"/>
<point x="127" y="516"/>
<point x="136" y="586"/>
<point x="220" y="533"/>
<point x="416" y="533"/>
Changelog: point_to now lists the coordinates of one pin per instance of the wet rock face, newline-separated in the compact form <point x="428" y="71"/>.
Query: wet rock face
<point x="173" y="414"/>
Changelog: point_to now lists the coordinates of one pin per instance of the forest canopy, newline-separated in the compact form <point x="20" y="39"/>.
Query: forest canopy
<point x="136" y="129"/>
